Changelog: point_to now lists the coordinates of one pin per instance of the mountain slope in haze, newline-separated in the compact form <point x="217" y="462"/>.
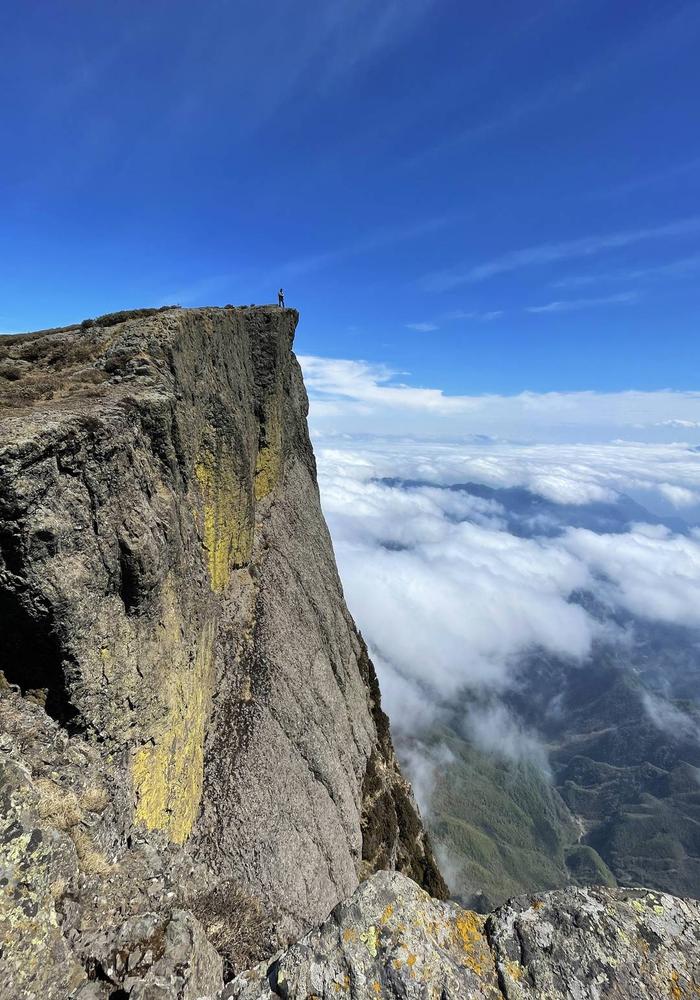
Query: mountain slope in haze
<point x="500" y="827"/>
<point x="603" y="783"/>
<point x="621" y="803"/>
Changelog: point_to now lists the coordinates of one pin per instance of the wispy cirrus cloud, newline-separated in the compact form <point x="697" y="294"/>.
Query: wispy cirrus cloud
<point x="422" y="327"/>
<point x="479" y="316"/>
<point x="649" y="180"/>
<point x="252" y="280"/>
<point x="680" y="268"/>
<point x="573" y="305"/>
<point x="676" y="30"/>
<point x="549" y="253"/>
<point x="472" y="315"/>
<point x="504" y="119"/>
<point x="337" y="38"/>
<point x="315" y="48"/>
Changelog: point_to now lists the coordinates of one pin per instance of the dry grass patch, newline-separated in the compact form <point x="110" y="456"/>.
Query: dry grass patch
<point x="236" y="925"/>
<point x="92" y="860"/>
<point x="62" y="808"/>
<point x="58" y="806"/>
<point x="95" y="799"/>
<point x="58" y="889"/>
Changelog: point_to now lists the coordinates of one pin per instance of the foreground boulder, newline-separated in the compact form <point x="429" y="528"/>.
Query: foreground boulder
<point x="392" y="940"/>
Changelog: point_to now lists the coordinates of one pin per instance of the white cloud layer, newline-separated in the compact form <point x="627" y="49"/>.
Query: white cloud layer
<point x="648" y="570"/>
<point x="449" y="598"/>
<point x="358" y="397"/>
<point x="447" y="601"/>
<point x="670" y="719"/>
<point x="447" y="590"/>
<point x="665" y="478"/>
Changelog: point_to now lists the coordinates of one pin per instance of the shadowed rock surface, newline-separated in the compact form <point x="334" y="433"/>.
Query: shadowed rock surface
<point x="182" y="677"/>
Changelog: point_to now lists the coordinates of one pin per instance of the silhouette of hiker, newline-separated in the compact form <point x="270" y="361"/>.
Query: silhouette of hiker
<point x="280" y="298"/>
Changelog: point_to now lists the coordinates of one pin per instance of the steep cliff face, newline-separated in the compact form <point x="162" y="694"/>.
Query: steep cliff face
<point x="172" y="616"/>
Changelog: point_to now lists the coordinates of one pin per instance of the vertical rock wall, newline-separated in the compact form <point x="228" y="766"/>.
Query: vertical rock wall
<point x="170" y="597"/>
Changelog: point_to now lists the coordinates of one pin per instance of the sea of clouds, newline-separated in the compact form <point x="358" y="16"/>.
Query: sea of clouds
<point x="451" y="589"/>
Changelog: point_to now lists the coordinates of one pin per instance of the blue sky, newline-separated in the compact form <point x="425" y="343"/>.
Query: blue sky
<point x="492" y="198"/>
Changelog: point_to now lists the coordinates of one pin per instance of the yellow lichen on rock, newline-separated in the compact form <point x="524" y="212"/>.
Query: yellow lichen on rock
<point x="228" y="518"/>
<point x="514" y="970"/>
<point x="34" y="958"/>
<point x="470" y="935"/>
<point x="370" y="939"/>
<point x="676" y="991"/>
<point x="168" y="772"/>
<point x="469" y="928"/>
<point x="247" y="689"/>
<point x="268" y="464"/>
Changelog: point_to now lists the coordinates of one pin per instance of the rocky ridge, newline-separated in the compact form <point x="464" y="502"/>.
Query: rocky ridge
<point x="392" y="940"/>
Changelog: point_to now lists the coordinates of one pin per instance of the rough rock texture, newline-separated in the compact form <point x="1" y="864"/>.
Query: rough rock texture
<point x="597" y="943"/>
<point x="392" y="940"/>
<point x="182" y="673"/>
<point x="76" y="911"/>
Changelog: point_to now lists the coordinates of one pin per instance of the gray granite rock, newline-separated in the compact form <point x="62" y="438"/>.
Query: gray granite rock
<point x="392" y="940"/>
<point x="194" y="765"/>
<point x="597" y="943"/>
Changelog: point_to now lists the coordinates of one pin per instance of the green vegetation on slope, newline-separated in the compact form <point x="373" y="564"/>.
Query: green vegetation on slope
<point x="501" y="826"/>
<point x="622" y="803"/>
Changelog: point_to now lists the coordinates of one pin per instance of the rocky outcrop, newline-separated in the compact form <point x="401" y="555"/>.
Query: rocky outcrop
<point x="80" y="914"/>
<point x="392" y="940"/>
<point x="189" y="712"/>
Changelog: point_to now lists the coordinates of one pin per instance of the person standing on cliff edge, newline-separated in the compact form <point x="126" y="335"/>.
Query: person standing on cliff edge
<point x="280" y="298"/>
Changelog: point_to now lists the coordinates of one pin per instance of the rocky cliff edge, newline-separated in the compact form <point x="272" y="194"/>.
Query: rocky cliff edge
<point x="392" y="940"/>
<point x="193" y="745"/>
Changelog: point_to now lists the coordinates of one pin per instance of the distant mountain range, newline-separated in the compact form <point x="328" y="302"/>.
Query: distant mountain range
<point x="527" y="513"/>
